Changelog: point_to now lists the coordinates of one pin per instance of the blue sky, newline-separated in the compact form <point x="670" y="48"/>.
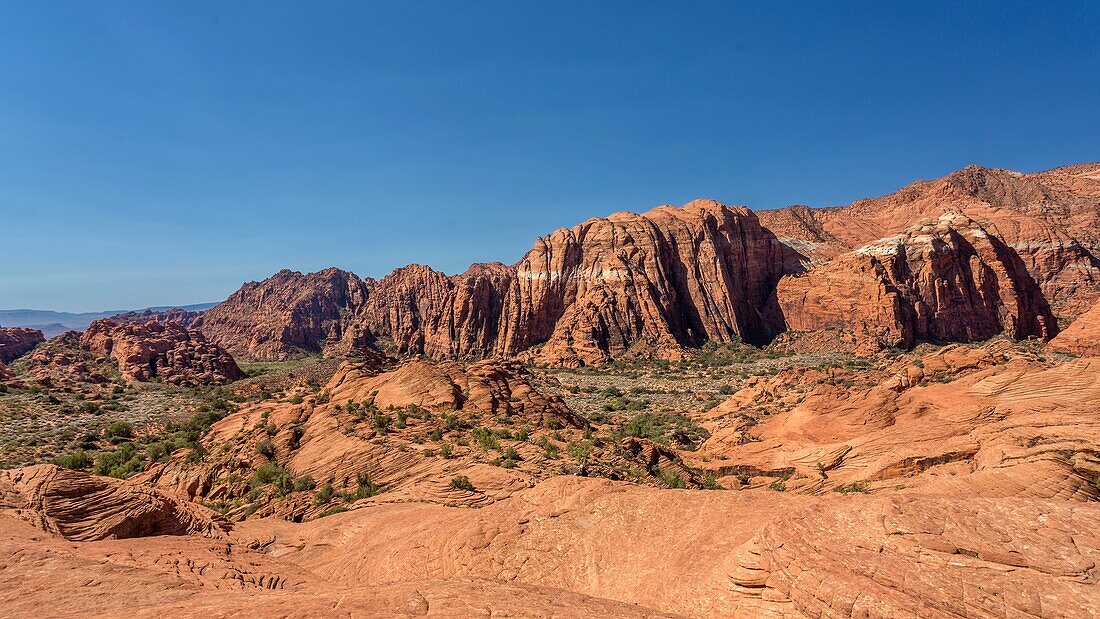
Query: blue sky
<point x="152" y="155"/>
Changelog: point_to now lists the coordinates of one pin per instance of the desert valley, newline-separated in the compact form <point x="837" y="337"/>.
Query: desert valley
<point x="884" y="409"/>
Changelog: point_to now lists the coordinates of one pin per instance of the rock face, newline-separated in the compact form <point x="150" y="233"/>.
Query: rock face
<point x="946" y="279"/>
<point x="1050" y="219"/>
<point x="422" y="311"/>
<point x="1082" y="337"/>
<point x="655" y="283"/>
<point x="286" y="315"/>
<point x="670" y="278"/>
<point x="17" y="341"/>
<point x="167" y="351"/>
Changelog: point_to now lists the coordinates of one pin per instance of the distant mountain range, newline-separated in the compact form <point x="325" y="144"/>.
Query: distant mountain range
<point x="52" y="323"/>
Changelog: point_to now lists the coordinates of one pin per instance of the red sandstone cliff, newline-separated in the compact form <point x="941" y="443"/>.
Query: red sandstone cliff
<point x="946" y="279"/>
<point x="1051" y="219"/>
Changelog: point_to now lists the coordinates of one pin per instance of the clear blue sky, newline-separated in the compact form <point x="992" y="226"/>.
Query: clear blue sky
<point x="153" y="155"/>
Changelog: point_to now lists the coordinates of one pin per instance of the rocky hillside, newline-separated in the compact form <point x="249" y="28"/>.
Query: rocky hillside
<point x="977" y="253"/>
<point x="285" y="315"/>
<point x="946" y="279"/>
<point x="1051" y="220"/>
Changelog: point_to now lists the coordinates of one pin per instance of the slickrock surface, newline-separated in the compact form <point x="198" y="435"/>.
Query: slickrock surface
<point x="286" y="315"/>
<point x="336" y="438"/>
<point x="1051" y="219"/>
<point x="945" y="279"/>
<point x="169" y="352"/>
<point x="1082" y="337"/>
<point x="1007" y="425"/>
<point x="18" y="341"/>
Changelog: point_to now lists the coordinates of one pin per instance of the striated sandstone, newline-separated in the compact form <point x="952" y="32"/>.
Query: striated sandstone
<point x="944" y="280"/>
<point x="1050" y="219"/>
<point x="81" y="507"/>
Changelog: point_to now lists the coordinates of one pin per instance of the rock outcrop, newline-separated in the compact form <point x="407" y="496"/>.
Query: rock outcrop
<point x="946" y="279"/>
<point x="81" y="507"/>
<point x="18" y="341"/>
<point x="1081" y="338"/>
<point x="1050" y="219"/>
<point x="286" y="315"/>
<point x="670" y="278"/>
<point x="168" y="352"/>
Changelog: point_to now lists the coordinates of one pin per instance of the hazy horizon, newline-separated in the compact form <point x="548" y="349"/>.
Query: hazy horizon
<point x="161" y="154"/>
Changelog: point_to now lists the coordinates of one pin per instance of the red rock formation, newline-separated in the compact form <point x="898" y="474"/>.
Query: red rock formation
<point x="81" y="507"/>
<point x="1082" y="337"/>
<point x="286" y="315"/>
<point x="176" y="316"/>
<point x="670" y="278"/>
<point x="423" y="311"/>
<point x="17" y="341"/>
<point x="947" y="279"/>
<point x="153" y="350"/>
<point x="655" y="283"/>
<point x="1051" y="219"/>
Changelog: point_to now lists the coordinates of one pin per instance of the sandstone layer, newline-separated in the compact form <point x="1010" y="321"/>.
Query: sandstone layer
<point x="169" y="352"/>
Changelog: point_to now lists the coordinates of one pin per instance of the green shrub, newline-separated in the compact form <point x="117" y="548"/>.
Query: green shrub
<point x="78" y="460"/>
<point x="304" y="483"/>
<point x="778" y="486"/>
<point x="367" y="488"/>
<point x="266" y="474"/>
<point x="461" y="482"/>
<point x="266" y="449"/>
<point x="486" y="439"/>
<point x="119" y="431"/>
<point x="854" y="487"/>
<point x="446" y="450"/>
<point x="324" y="495"/>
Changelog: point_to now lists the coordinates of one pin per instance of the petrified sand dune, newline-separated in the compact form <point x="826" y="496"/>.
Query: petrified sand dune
<point x="571" y="547"/>
<point x="1009" y="426"/>
<point x="80" y="507"/>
